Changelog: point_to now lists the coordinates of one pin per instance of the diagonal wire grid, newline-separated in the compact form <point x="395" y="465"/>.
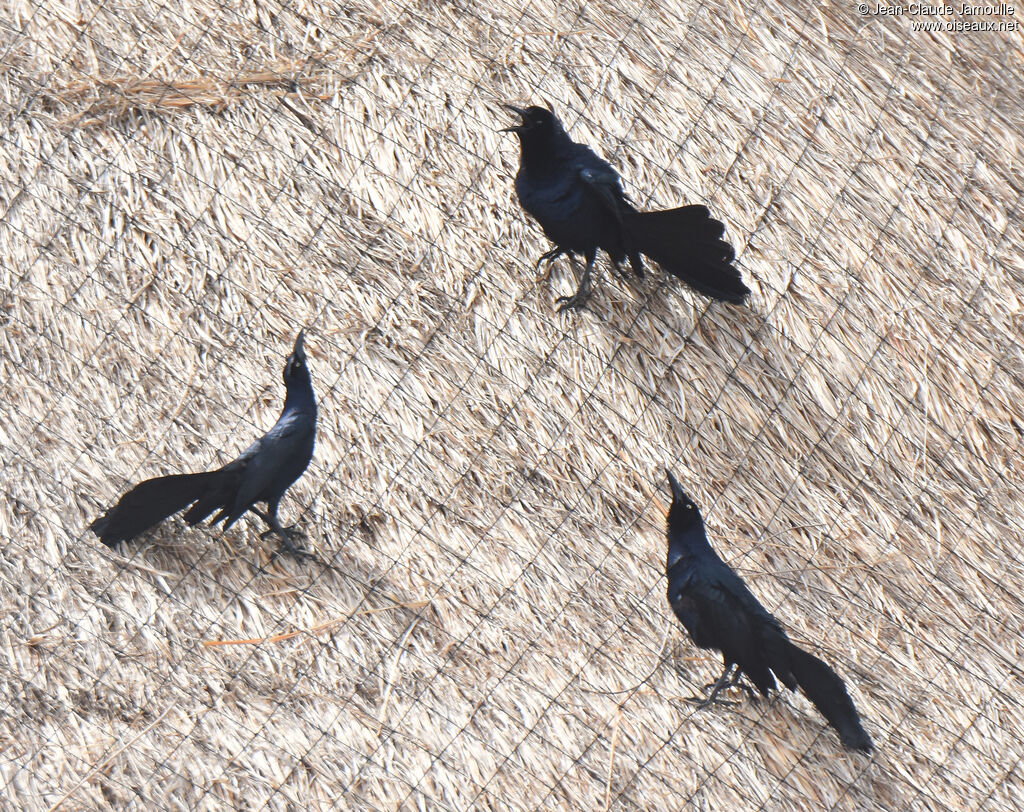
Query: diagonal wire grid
<point x="484" y="623"/>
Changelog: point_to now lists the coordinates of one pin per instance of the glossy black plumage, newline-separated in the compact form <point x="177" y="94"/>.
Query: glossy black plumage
<point x="261" y="473"/>
<point x="578" y="200"/>
<point x="719" y="612"/>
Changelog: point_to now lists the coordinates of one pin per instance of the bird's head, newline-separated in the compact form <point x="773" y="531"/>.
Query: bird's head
<point x="536" y="124"/>
<point x="683" y="513"/>
<point x="295" y="370"/>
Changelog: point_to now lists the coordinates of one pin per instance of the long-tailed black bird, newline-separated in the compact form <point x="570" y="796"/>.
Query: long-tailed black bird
<point x="720" y="612"/>
<point x="261" y="473"/>
<point x="578" y="200"/>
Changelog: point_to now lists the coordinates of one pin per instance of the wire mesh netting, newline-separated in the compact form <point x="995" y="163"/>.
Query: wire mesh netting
<point x="482" y="622"/>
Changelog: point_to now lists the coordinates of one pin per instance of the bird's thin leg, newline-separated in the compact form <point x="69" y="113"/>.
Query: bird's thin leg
<point x="291" y="529"/>
<point x="549" y="257"/>
<point x="284" y="533"/>
<point x="723" y="681"/>
<point x="582" y="294"/>
<point x="735" y="682"/>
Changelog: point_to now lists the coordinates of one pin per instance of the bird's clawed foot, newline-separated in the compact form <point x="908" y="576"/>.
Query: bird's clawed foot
<point x="577" y="301"/>
<point x="549" y="257"/>
<point x="712" y="689"/>
<point x="287" y="534"/>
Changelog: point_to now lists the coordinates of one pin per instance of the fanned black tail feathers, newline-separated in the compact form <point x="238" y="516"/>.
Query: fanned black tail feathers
<point x="152" y="501"/>
<point x="687" y="242"/>
<point x="827" y="691"/>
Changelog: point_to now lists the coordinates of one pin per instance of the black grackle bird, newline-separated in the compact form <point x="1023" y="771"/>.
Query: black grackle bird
<point x="720" y="612"/>
<point x="578" y="201"/>
<point x="261" y="473"/>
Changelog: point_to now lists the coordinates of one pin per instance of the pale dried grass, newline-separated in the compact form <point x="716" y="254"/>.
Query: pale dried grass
<point x="182" y="187"/>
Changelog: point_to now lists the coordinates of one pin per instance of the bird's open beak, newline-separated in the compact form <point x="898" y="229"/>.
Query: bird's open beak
<point x="299" y="350"/>
<point x="519" y="111"/>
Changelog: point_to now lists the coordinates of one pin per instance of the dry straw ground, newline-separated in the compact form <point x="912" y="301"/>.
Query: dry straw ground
<point x="183" y="185"/>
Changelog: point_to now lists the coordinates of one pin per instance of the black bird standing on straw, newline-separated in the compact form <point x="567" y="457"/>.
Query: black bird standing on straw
<point x="578" y="200"/>
<point x="261" y="473"/>
<point x="720" y="612"/>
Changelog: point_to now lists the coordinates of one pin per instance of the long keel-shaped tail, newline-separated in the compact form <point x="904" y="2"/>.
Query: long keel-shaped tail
<point x="827" y="691"/>
<point x="687" y="242"/>
<point x="149" y="503"/>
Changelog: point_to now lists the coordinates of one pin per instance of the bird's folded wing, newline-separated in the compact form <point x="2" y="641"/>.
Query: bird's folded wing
<point x="605" y="185"/>
<point x="724" y="618"/>
<point x="261" y="461"/>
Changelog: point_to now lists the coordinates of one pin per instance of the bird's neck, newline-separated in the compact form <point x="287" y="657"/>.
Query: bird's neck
<point x="541" y="155"/>
<point x="299" y="397"/>
<point x="688" y="544"/>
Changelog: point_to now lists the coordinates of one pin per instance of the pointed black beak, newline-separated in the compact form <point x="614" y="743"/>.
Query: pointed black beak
<point x="677" y="491"/>
<point x="519" y="111"/>
<point x="299" y="350"/>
